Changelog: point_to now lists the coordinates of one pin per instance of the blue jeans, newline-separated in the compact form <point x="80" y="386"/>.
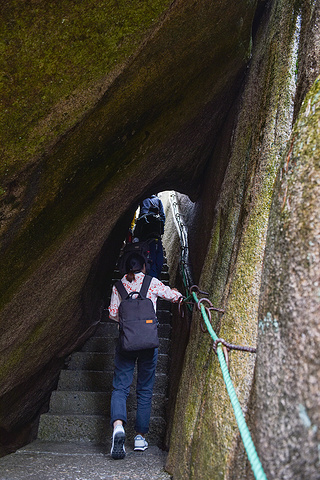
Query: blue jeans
<point x="156" y="257"/>
<point x="124" y="364"/>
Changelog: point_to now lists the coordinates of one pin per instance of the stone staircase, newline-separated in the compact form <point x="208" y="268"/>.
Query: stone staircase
<point x="79" y="409"/>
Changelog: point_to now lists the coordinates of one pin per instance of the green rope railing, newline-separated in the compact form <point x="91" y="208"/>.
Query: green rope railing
<point x="243" y="428"/>
<point x="187" y="281"/>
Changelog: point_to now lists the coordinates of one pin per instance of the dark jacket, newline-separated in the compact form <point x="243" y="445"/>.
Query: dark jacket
<point x="150" y="203"/>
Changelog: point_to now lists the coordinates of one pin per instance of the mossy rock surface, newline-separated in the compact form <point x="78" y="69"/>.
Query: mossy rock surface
<point x="289" y="331"/>
<point x="205" y="439"/>
<point x="56" y="59"/>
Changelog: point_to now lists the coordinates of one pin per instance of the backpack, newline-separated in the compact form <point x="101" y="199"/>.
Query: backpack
<point x="149" y="226"/>
<point x="137" y="318"/>
<point x="142" y="248"/>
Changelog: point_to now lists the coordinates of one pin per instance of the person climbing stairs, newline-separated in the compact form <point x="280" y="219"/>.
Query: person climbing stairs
<point x="79" y="409"/>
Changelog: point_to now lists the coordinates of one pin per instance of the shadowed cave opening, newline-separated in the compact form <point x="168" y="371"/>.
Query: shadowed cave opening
<point x="100" y="277"/>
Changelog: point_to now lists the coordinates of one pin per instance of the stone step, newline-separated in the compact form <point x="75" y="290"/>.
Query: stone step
<point x="107" y="345"/>
<point x="164" y="316"/>
<point x="97" y="403"/>
<point x="104" y="361"/>
<point x="93" y="429"/>
<point x="110" y="329"/>
<point x="164" y="276"/>
<point x="95" y="381"/>
<point x="107" y="329"/>
<point x="163" y="305"/>
<point x="165" y="329"/>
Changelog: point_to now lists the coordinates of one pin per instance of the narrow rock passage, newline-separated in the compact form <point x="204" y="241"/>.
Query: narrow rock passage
<point x="73" y="439"/>
<point x="79" y="410"/>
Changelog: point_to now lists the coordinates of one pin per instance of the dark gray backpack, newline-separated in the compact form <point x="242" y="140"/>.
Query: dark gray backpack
<point x="137" y="318"/>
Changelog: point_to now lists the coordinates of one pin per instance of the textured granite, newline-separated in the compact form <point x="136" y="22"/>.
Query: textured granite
<point x="67" y="461"/>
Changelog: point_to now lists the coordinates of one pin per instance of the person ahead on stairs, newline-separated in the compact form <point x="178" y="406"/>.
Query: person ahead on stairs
<point x="125" y="361"/>
<point x="149" y="227"/>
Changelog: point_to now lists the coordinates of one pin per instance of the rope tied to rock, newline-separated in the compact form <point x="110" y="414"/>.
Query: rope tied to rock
<point x="220" y="346"/>
<point x="227" y="347"/>
<point x="231" y="346"/>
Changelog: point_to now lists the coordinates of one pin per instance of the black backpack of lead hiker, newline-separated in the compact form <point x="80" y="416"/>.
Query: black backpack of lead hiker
<point x="137" y="318"/>
<point x="149" y="225"/>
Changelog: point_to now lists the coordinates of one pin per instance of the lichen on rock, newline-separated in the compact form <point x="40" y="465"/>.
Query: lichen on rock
<point x="289" y="311"/>
<point x="231" y="272"/>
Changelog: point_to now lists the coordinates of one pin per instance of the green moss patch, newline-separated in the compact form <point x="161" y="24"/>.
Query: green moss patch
<point x="55" y="57"/>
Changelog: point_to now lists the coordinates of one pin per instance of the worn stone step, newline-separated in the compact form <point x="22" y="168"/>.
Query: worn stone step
<point x="163" y="305"/>
<point x="165" y="330"/>
<point x="73" y="428"/>
<point x="93" y="429"/>
<point x="97" y="403"/>
<point x="108" y="345"/>
<point x="107" y="328"/>
<point x="164" y="275"/>
<point x="164" y="316"/>
<point x="100" y="344"/>
<point x="117" y="275"/>
<point x="95" y="381"/>
<point x="104" y="361"/>
<point x="110" y="329"/>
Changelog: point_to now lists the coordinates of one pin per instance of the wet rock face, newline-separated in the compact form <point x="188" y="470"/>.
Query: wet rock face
<point x="95" y="140"/>
<point x="288" y="363"/>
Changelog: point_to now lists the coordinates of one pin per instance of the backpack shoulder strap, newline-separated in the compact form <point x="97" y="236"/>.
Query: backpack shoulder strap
<point x="145" y="285"/>
<point x="121" y="289"/>
<point x="152" y="203"/>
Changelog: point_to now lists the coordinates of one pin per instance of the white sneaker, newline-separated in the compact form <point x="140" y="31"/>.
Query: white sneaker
<point x="140" y="443"/>
<point x="118" y="438"/>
